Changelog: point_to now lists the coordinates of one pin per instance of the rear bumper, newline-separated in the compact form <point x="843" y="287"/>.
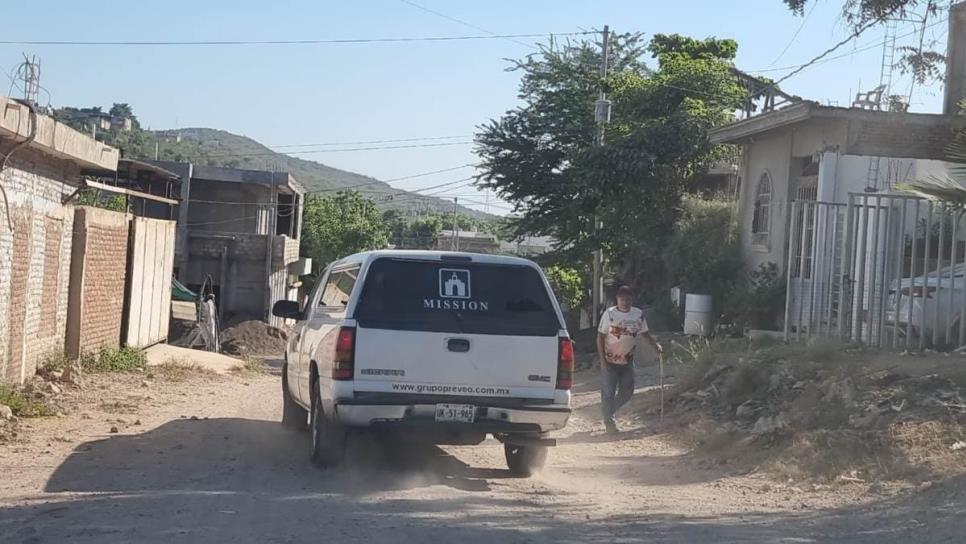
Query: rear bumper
<point x="489" y="419"/>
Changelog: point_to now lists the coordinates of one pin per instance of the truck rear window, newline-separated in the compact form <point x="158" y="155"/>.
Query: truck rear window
<point x="456" y="297"/>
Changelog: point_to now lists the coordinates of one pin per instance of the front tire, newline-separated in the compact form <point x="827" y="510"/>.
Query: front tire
<point x="294" y="417"/>
<point x="328" y="438"/>
<point x="525" y="460"/>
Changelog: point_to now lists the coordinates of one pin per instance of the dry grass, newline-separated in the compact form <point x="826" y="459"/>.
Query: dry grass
<point x="250" y="366"/>
<point x="697" y="358"/>
<point x="930" y="444"/>
<point x="180" y="370"/>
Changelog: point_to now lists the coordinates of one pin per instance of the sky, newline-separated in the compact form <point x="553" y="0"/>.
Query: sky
<point x="298" y="96"/>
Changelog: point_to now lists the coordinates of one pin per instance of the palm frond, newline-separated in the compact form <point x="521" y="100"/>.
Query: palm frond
<point x="948" y="189"/>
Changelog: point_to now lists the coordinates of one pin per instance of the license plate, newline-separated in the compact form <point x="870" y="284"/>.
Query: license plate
<point x="459" y="413"/>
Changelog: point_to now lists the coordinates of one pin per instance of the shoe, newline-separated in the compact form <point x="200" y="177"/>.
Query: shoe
<point x="611" y="427"/>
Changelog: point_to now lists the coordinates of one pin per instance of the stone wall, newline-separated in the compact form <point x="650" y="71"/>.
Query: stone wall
<point x="97" y="278"/>
<point x="34" y="261"/>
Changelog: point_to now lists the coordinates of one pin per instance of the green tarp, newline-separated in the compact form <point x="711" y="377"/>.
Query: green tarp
<point x="182" y="293"/>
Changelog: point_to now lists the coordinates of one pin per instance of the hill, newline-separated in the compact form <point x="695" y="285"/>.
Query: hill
<point x="221" y="148"/>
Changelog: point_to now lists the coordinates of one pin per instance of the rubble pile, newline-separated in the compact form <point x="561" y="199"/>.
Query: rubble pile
<point x="780" y="396"/>
<point x="253" y="338"/>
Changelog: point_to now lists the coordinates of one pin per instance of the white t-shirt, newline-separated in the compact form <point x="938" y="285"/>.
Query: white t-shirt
<point x="622" y="329"/>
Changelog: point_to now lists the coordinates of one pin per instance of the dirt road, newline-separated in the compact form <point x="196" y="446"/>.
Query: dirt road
<point x="207" y="461"/>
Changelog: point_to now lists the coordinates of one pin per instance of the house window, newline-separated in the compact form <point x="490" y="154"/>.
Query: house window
<point x="762" y="217"/>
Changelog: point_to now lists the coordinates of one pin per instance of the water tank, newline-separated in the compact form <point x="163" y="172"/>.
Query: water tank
<point x="697" y="315"/>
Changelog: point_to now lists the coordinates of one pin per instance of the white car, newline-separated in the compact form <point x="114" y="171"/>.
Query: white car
<point x="929" y="297"/>
<point x="435" y="346"/>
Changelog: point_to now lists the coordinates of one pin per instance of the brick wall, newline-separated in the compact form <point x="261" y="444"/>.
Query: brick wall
<point x="53" y="233"/>
<point x="34" y="261"/>
<point x="97" y="278"/>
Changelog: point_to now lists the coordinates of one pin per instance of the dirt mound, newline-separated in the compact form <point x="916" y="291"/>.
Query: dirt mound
<point x="823" y="411"/>
<point x="253" y="338"/>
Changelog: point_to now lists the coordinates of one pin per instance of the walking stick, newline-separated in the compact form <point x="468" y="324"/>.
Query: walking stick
<point x="660" y="357"/>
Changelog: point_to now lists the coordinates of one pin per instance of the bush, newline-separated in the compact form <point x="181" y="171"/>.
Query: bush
<point x="23" y="405"/>
<point x="758" y="303"/>
<point x="125" y="359"/>
<point x="703" y="255"/>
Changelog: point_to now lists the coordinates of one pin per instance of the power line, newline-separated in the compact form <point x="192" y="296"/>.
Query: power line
<point x="460" y="21"/>
<point x="413" y="176"/>
<point x="413" y="192"/>
<point x="844" y="55"/>
<point x="423" y="174"/>
<point x="363" y="142"/>
<point x="286" y="42"/>
<point x="312" y="151"/>
<point x="855" y="34"/>
<point x="795" y="36"/>
<point x="418" y="192"/>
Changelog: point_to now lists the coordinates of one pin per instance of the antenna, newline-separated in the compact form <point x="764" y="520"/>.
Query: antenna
<point x="29" y="73"/>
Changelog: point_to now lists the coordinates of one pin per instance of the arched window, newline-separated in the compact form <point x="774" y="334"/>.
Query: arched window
<point x="762" y="217"/>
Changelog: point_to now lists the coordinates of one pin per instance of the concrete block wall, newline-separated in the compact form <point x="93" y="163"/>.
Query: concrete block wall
<point x="97" y="279"/>
<point x="34" y="261"/>
<point x="245" y="277"/>
<point x="244" y="289"/>
<point x="285" y="252"/>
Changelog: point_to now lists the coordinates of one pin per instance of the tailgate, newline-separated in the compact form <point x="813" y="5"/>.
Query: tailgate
<point x="463" y="328"/>
<point x="393" y="361"/>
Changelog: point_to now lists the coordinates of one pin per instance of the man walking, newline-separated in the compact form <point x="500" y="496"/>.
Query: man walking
<point x="620" y="326"/>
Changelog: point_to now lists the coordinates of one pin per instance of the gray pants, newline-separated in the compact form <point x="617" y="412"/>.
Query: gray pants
<point x="616" y="389"/>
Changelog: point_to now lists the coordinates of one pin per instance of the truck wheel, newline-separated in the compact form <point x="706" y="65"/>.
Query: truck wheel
<point x="525" y="460"/>
<point x="328" y="438"/>
<point x="294" y="417"/>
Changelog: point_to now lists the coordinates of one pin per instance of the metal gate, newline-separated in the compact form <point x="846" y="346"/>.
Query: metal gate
<point x="882" y="270"/>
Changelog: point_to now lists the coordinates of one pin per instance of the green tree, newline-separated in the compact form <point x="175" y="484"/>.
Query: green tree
<point x="340" y="225"/>
<point x="541" y="155"/>
<point x="703" y="253"/>
<point x="567" y="284"/>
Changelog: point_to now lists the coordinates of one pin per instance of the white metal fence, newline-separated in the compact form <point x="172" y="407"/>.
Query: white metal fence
<point x="882" y="270"/>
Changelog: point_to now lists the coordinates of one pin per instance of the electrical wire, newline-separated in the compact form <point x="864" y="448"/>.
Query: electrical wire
<point x="364" y="142"/>
<point x="795" y="36"/>
<point x="461" y="22"/>
<point x="423" y="174"/>
<point x="844" y="55"/>
<point x="350" y="187"/>
<point x="313" y="151"/>
<point x="286" y="42"/>
<point x="855" y="34"/>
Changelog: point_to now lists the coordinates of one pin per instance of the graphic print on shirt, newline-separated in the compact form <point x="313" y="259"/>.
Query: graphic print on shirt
<point x="622" y="329"/>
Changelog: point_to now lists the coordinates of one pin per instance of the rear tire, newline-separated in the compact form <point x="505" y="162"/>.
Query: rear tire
<point x="328" y="438"/>
<point x="294" y="417"/>
<point x="525" y="460"/>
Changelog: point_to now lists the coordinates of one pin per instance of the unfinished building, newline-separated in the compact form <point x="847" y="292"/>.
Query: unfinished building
<point x="240" y="230"/>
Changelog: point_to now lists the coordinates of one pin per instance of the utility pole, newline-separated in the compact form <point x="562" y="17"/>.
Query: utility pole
<point x="602" y="117"/>
<point x="456" y="225"/>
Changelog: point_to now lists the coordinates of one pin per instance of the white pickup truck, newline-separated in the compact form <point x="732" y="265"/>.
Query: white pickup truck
<point x="442" y="347"/>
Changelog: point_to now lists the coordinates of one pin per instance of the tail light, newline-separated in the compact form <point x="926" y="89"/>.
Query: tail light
<point x="918" y="292"/>
<point x="565" y="364"/>
<point x="345" y="354"/>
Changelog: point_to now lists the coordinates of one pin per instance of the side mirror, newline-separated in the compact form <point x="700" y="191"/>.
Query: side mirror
<point x="287" y="309"/>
